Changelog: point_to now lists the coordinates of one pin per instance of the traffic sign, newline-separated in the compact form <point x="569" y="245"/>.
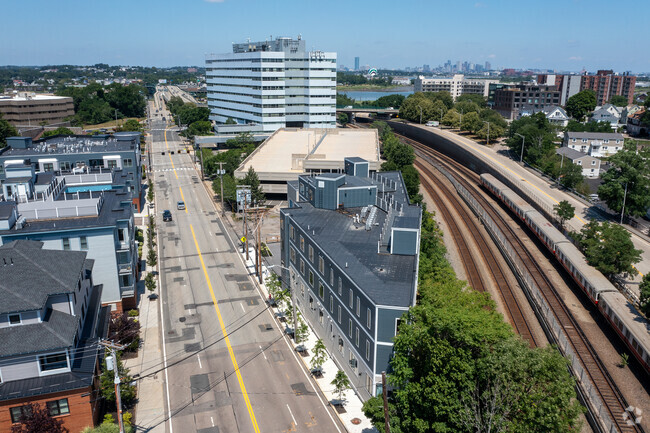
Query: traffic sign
<point x="243" y="239"/>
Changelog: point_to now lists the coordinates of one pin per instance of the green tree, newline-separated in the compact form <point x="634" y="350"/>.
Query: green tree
<point x="131" y="125"/>
<point x="300" y="334"/>
<point x="128" y="100"/>
<point x="341" y="384"/>
<point x="200" y="127"/>
<point x="394" y="101"/>
<point x="565" y="211"/>
<point x="107" y="385"/>
<point x="37" y="419"/>
<point x="6" y="130"/>
<point x="62" y="130"/>
<point x="417" y="108"/>
<point x="630" y="169"/>
<point x="251" y="179"/>
<point x="229" y="188"/>
<point x="342" y="118"/>
<point x="451" y="118"/>
<point x="150" y="195"/>
<point x="609" y="248"/>
<point x="576" y="126"/>
<point x="150" y="282"/>
<point x="471" y="122"/>
<point x="644" y="297"/>
<point x="319" y="355"/>
<point x="578" y="105"/>
<point x="472" y="97"/>
<point x="230" y="121"/>
<point x="467" y="107"/>
<point x="125" y="330"/>
<point x="444" y="97"/>
<point x="618" y="101"/>
<point x="241" y="141"/>
<point x="152" y="257"/>
<point x="342" y="100"/>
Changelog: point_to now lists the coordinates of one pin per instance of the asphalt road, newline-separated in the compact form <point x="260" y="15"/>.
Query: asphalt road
<point x="230" y="369"/>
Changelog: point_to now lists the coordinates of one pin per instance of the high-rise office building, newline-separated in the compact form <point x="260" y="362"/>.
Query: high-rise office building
<point x="264" y="86"/>
<point x="488" y="66"/>
<point x="356" y="63"/>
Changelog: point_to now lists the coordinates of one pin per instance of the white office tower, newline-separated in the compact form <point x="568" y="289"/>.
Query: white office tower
<point x="263" y="86"/>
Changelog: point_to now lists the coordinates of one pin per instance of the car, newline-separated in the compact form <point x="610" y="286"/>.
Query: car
<point x="347" y="107"/>
<point x="593" y="198"/>
<point x="180" y="205"/>
<point x="153" y="297"/>
<point x="167" y="215"/>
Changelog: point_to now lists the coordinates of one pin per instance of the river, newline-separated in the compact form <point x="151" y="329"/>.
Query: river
<point x="368" y="95"/>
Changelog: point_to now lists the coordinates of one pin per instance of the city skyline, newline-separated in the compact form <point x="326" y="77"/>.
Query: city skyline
<point x="163" y="34"/>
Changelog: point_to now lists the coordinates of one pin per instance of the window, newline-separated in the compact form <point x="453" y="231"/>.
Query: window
<point x="302" y="290"/>
<point x="302" y="244"/>
<point x="351" y="299"/>
<point x="356" y="337"/>
<point x="14" y="319"/>
<point x="368" y="318"/>
<point x="311" y="254"/>
<point x="331" y="277"/>
<point x="398" y="322"/>
<point x="311" y="278"/>
<point x="321" y="265"/>
<point x="48" y="166"/>
<point x="292" y="232"/>
<point x="66" y="243"/>
<point x="339" y="314"/>
<point x="321" y="290"/>
<point x="350" y="327"/>
<point x="302" y="266"/>
<point x="368" y="350"/>
<point x="53" y="362"/>
<point x="340" y="287"/>
<point x="83" y="242"/>
<point x="292" y="255"/>
<point x="320" y="316"/>
<point x="358" y="307"/>
<point x="311" y="303"/>
<point x="120" y="235"/>
<point x="18" y="412"/>
<point x="58" y="407"/>
<point x="128" y="162"/>
<point x="331" y="304"/>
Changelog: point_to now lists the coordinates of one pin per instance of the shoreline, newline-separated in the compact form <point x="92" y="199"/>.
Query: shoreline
<point x="393" y="89"/>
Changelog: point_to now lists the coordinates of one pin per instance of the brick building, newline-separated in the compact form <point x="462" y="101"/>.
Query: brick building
<point x="607" y="84"/>
<point x="32" y="109"/>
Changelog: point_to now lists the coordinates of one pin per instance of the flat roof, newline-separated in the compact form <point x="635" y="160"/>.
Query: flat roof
<point x="288" y="149"/>
<point x="32" y="97"/>
<point x="72" y="144"/>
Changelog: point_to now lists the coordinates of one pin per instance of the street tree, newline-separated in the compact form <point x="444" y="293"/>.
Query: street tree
<point x="319" y="355"/>
<point x="444" y="97"/>
<point x="107" y="384"/>
<point x="467" y="107"/>
<point x="628" y="180"/>
<point x="152" y="257"/>
<point x="150" y="190"/>
<point x="125" y="330"/>
<point x="341" y="384"/>
<point x="6" y="130"/>
<point x="578" y="105"/>
<point x="37" y="419"/>
<point x="229" y="188"/>
<point x="251" y="179"/>
<point x="608" y="247"/>
<point x="570" y="174"/>
<point x="300" y="334"/>
<point x="565" y="211"/>
<point x="644" y="297"/>
<point x="417" y="108"/>
<point x="471" y="122"/>
<point x="150" y="282"/>
<point x="451" y="118"/>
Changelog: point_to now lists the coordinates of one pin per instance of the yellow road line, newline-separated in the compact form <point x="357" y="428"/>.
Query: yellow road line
<point x="170" y="155"/>
<point x="183" y="197"/>
<point x="225" y="336"/>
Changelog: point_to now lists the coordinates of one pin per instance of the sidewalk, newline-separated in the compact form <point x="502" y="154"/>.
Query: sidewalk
<point x="149" y="411"/>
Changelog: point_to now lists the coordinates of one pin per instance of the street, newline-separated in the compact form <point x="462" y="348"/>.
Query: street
<point x="229" y="367"/>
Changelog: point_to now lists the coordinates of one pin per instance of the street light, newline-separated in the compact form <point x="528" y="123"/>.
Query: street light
<point x="420" y="114"/>
<point x="293" y="301"/>
<point x="460" y="123"/>
<point x="441" y="111"/>
<point x="624" y="197"/>
<point x="488" y="134"/>
<point x="523" y="143"/>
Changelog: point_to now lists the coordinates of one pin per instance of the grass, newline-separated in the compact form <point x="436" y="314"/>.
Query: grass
<point x="112" y="124"/>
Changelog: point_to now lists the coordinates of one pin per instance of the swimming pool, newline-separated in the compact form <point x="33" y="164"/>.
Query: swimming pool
<point x="86" y="188"/>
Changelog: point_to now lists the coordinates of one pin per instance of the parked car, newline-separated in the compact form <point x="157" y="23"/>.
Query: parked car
<point x="167" y="215"/>
<point x="180" y="205"/>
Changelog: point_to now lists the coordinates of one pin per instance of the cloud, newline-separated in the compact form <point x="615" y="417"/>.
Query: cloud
<point x="576" y="58"/>
<point x="492" y="56"/>
<point x="479" y="5"/>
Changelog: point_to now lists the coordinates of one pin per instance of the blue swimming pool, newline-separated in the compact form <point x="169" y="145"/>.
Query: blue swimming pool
<point x="86" y="188"/>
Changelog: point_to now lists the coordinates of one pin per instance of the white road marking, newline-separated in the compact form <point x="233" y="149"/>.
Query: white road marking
<point x="263" y="354"/>
<point x="242" y="307"/>
<point x="291" y="413"/>
<point x="199" y="358"/>
<point x="212" y="421"/>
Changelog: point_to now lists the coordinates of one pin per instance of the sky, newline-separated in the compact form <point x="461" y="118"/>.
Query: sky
<point x="565" y="35"/>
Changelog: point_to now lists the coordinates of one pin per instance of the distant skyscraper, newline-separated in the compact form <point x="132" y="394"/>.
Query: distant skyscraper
<point x="356" y="63"/>
<point x="488" y="66"/>
<point x="426" y="68"/>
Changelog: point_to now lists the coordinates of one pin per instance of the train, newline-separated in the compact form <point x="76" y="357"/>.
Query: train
<point x="631" y="327"/>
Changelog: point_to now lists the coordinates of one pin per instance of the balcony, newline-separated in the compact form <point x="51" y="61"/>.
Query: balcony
<point x="125" y="268"/>
<point x="127" y="291"/>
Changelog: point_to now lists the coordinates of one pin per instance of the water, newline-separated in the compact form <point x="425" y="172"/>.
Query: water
<point x="361" y="95"/>
<point x="86" y="188"/>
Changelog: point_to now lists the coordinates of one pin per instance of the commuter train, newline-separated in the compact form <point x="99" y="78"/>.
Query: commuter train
<point x="633" y="329"/>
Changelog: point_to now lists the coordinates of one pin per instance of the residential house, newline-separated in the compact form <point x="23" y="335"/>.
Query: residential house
<point x="50" y="321"/>
<point x="607" y="113"/>
<point x="590" y="165"/>
<point x="596" y="144"/>
<point x="350" y="245"/>
<point x="556" y="115"/>
<point x="635" y="125"/>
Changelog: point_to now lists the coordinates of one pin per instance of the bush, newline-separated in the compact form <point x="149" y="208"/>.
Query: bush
<point x="124" y="329"/>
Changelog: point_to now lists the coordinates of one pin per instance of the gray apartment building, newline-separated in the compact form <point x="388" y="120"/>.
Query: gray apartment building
<point x="90" y="212"/>
<point x="50" y="320"/>
<point x="513" y="101"/>
<point x="77" y="154"/>
<point x="350" y="248"/>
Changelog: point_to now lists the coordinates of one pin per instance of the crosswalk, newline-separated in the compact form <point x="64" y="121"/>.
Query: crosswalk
<point x="172" y="169"/>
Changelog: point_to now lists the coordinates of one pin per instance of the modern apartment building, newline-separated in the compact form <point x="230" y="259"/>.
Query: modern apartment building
<point x="31" y="109"/>
<point x="568" y="85"/>
<point x="50" y="320"/>
<point x="513" y="101"/>
<point x="264" y="86"/>
<point x="605" y="83"/>
<point x="594" y="143"/>
<point x="90" y="212"/>
<point x="456" y="86"/>
<point x="350" y="247"/>
<point x="78" y="154"/>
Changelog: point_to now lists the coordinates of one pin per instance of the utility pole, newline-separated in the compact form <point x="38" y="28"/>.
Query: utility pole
<point x="259" y="247"/>
<point x="623" y="208"/>
<point x="223" y="212"/>
<point x="201" y="150"/>
<point x="384" y="393"/>
<point x="245" y="225"/>
<point x="488" y="132"/>
<point x="111" y="364"/>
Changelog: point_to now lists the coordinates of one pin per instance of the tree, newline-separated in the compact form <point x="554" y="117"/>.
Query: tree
<point x="341" y="384"/>
<point x="319" y="355"/>
<point x="342" y="100"/>
<point x="618" y="101"/>
<point x="62" y="130"/>
<point x="127" y="391"/>
<point x="131" y="125"/>
<point x="644" y="297"/>
<point x="417" y="108"/>
<point x="241" y="141"/>
<point x="564" y="211"/>
<point x="444" y="97"/>
<point x="342" y="118"/>
<point x="467" y="107"/>
<point x="609" y="248"/>
<point x="451" y="118"/>
<point x="200" y="127"/>
<point x="630" y="171"/>
<point x="251" y="179"/>
<point x="152" y="257"/>
<point x="300" y="334"/>
<point x="578" y="105"/>
<point x="128" y="100"/>
<point x="472" y="97"/>
<point x="124" y="329"/>
<point x="570" y="174"/>
<point x="150" y="191"/>
<point x="576" y="126"/>
<point x="230" y="121"/>
<point x="150" y="282"/>
<point x="471" y="122"/>
<point x="6" y="130"/>
<point x="229" y="188"/>
<point x="394" y="101"/>
<point x="37" y="419"/>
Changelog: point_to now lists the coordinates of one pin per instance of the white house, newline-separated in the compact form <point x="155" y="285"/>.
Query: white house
<point x="607" y="113"/>
<point x="590" y="165"/>
<point x="556" y="115"/>
<point x="594" y="143"/>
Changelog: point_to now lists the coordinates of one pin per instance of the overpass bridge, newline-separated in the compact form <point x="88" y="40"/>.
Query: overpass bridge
<point x="379" y="112"/>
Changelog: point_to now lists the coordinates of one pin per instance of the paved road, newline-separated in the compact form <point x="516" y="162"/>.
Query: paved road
<point x="207" y="294"/>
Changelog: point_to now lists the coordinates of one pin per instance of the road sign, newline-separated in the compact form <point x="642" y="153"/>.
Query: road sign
<point x="243" y="239"/>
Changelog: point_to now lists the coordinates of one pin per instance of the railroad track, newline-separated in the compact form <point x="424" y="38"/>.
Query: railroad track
<point x="609" y="392"/>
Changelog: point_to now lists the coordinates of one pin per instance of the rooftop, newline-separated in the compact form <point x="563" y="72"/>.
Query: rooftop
<point x="594" y="135"/>
<point x="117" y="142"/>
<point x="21" y="97"/>
<point x="572" y="154"/>
<point x="292" y="151"/>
